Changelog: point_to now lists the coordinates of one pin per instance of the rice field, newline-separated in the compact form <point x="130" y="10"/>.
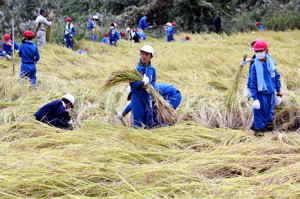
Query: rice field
<point x="209" y="153"/>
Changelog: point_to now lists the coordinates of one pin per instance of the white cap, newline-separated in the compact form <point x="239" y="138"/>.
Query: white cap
<point x="148" y="49"/>
<point x="70" y="98"/>
<point x="169" y="24"/>
<point x="95" y="17"/>
<point x="127" y="29"/>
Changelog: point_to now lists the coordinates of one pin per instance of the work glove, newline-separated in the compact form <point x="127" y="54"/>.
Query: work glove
<point x="244" y="62"/>
<point x="70" y="123"/>
<point x="278" y="100"/>
<point x="256" y="104"/>
<point x="120" y="116"/>
<point x="128" y="89"/>
<point x="146" y="80"/>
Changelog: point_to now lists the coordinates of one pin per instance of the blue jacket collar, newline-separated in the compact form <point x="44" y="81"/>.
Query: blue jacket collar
<point x="141" y="64"/>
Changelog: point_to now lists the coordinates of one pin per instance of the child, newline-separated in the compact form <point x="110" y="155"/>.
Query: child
<point x="29" y="56"/>
<point x="141" y="101"/>
<point x="69" y="33"/>
<point x="7" y="46"/>
<point x="105" y="39"/>
<point x="55" y="113"/>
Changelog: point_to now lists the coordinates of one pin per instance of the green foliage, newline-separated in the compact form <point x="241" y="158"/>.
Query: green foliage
<point x="191" y="15"/>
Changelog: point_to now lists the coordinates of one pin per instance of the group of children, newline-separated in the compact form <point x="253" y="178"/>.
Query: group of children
<point x="57" y="113"/>
<point x="263" y="81"/>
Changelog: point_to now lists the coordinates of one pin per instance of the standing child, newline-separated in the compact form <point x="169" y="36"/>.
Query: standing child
<point x="141" y="101"/>
<point x="113" y="35"/>
<point x="170" y="32"/>
<point x="29" y="56"/>
<point x="69" y="33"/>
<point x="92" y="27"/>
<point x="264" y="82"/>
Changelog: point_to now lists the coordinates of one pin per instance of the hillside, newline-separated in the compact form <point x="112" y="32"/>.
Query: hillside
<point x="210" y="153"/>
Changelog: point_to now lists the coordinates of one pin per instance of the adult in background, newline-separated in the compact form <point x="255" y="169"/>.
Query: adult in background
<point x="41" y="23"/>
<point x="218" y="24"/>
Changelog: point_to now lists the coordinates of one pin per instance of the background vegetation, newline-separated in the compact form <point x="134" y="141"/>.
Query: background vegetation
<point x="191" y="15"/>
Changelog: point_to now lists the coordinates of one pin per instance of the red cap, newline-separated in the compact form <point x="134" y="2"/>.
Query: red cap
<point x="174" y="23"/>
<point x="123" y="34"/>
<point x="28" y="33"/>
<point x="257" y="23"/>
<point x="106" y="35"/>
<point x="187" y="38"/>
<point x="260" y="45"/>
<point x="6" y="37"/>
<point x="86" y="49"/>
<point x="68" y="19"/>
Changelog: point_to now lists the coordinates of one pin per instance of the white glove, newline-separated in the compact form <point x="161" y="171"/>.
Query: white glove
<point x="120" y="116"/>
<point x="244" y="62"/>
<point x="256" y="104"/>
<point x="146" y="80"/>
<point x="150" y="26"/>
<point x="278" y="100"/>
<point x="70" y="122"/>
<point x="128" y="89"/>
<point x="17" y="51"/>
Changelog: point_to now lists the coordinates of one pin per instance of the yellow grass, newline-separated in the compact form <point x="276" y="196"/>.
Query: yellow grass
<point x="103" y="159"/>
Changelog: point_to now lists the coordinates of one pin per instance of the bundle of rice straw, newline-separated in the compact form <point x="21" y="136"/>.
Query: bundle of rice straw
<point x="231" y="101"/>
<point x="51" y="16"/>
<point x="165" y="112"/>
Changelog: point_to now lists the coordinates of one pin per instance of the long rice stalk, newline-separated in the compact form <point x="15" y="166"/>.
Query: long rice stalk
<point x="164" y="110"/>
<point x="231" y="101"/>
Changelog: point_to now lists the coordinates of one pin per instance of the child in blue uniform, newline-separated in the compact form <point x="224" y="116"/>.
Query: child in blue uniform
<point x="142" y="26"/>
<point x="7" y="46"/>
<point x="170" y="32"/>
<point x="168" y="92"/>
<point x="92" y="27"/>
<point x="69" y="33"/>
<point x="105" y="39"/>
<point x="141" y="101"/>
<point x="114" y="35"/>
<point x="55" y="113"/>
<point x="29" y="54"/>
<point x="264" y="81"/>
